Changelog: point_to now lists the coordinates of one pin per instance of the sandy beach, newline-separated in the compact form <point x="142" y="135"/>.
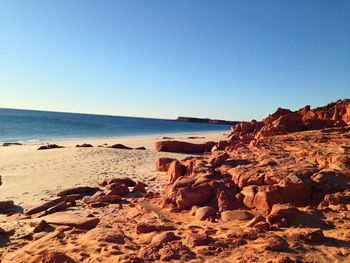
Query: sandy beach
<point x="30" y="176"/>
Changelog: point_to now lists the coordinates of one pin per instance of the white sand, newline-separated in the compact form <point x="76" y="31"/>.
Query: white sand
<point x="30" y="176"/>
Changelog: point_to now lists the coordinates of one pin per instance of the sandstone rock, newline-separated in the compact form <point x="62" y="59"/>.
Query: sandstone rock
<point x="102" y="199"/>
<point x="106" y="234"/>
<point x="56" y="257"/>
<point x="308" y="235"/>
<point x="120" y="146"/>
<point x="181" y="147"/>
<point x="140" y="188"/>
<point x="255" y="221"/>
<point x="73" y="220"/>
<point x="84" y="145"/>
<point x="125" y="181"/>
<point x="6" y="204"/>
<point x="40" y="227"/>
<point x="236" y="215"/>
<point x="203" y="213"/>
<point x="169" y="251"/>
<point x="163" y="164"/>
<point x="59" y="207"/>
<point x="118" y="189"/>
<point x="49" y="146"/>
<point x="187" y="197"/>
<point x="44" y="206"/>
<point x="153" y="225"/>
<point x="194" y="240"/>
<point x="78" y="190"/>
<point x="163" y="238"/>
<point x="176" y="170"/>
<point x="276" y="243"/>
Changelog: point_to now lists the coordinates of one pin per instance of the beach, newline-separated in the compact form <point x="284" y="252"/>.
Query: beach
<point x="30" y="177"/>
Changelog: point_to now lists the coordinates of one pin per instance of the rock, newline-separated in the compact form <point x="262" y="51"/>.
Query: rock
<point x="169" y="251"/>
<point x="276" y="243"/>
<point x="236" y="215"/>
<point x="59" y="207"/>
<point x="140" y="148"/>
<point x="11" y="143"/>
<point x="255" y="221"/>
<point x="186" y="197"/>
<point x="176" y="170"/>
<point x="72" y="220"/>
<point x="120" y="146"/>
<point x="102" y="199"/>
<point x="195" y="240"/>
<point x="140" y="188"/>
<point x="308" y="235"/>
<point x="203" y="213"/>
<point x="44" y="206"/>
<point x="282" y="211"/>
<point x="125" y="181"/>
<point x="84" y="145"/>
<point x="163" y="164"/>
<point x="153" y="225"/>
<point x="40" y="227"/>
<point x="56" y="257"/>
<point x="6" y="204"/>
<point x="163" y="238"/>
<point x="181" y="147"/>
<point x="50" y="146"/>
<point x="78" y="190"/>
<point x="118" y="189"/>
<point x="104" y="234"/>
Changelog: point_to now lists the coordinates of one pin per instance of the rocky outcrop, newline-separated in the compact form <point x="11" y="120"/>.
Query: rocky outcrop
<point x="50" y="146"/>
<point x="183" y="147"/>
<point x="283" y="121"/>
<point x="267" y="163"/>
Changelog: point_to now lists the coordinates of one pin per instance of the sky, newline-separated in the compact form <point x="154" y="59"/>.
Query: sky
<point x="234" y="60"/>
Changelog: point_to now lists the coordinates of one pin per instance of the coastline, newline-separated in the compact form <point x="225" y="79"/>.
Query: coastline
<point x="30" y="176"/>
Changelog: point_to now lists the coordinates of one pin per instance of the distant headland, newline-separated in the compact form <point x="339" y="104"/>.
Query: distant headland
<point x="206" y="120"/>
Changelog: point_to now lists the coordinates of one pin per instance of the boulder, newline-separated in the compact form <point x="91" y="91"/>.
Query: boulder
<point x="206" y="212"/>
<point x="120" y="146"/>
<point x="163" y="238"/>
<point x="84" y="145"/>
<point x="236" y="215"/>
<point x="50" y="146"/>
<point x="182" y="147"/>
<point x="163" y="164"/>
<point x="78" y="190"/>
<point x="176" y="170"/>
<point x="72" y="220"/>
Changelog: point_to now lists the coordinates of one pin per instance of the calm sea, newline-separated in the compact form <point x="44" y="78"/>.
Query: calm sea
<point x="29" y="125"/>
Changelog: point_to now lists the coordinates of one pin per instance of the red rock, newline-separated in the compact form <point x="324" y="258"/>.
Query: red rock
<point x="49" y="146"/>
<point x="176" y="170"/>
<point x="102" y="199"/>
<point x="73" y="220"/>
<point x="153" y="225"/>
<point x="44" y="206"/>
<point x="195" y="240"/>
<point x="59" y="207"/>
<point x="236" y="215"/>
<point x="118" y="181"/>
<point x="119" y="190"/>
<point x="140" y="188"/>
<point x="255" y="221"/>
<point x="84" y="145"/>
<point x="120" y="146"/>
<point x="56" y="257"/>
<point x="78" y="190"/>
<point x="40" y="226"/>
<point x="203" y="213"/>
<point x="186" y="197"/>
<point x="280" y="211"/>
<point x="163" y="164"/>
<point x="276" y="243"/>
<point x="104" y="234"/>
<point x="180" y="147"/>
<point x="163" y="238"/>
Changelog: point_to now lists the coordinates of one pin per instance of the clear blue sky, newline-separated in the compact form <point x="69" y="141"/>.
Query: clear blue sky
<point x="220" y="59"/>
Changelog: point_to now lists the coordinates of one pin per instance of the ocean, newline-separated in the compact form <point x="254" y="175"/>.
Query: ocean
<point x="30" y="126"/>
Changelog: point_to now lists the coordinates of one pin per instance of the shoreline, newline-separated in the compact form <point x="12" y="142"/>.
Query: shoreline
<point x="30" y="177"/>
<point x="146" y="136"/>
